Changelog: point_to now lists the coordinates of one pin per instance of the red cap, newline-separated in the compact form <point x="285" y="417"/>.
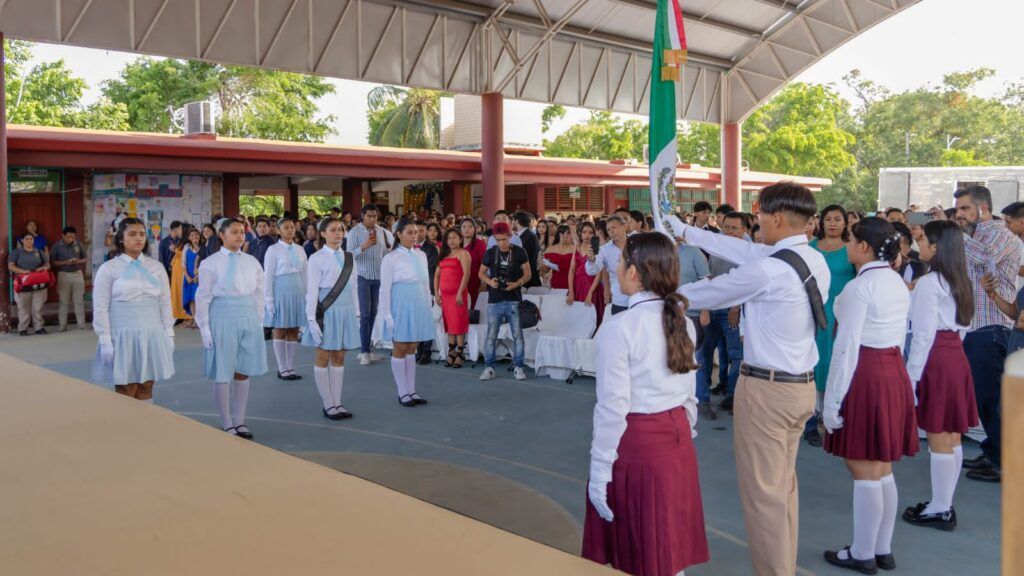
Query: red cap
<point x="500" y="228"/>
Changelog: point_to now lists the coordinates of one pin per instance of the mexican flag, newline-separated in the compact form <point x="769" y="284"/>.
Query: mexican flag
<point x="669" y="55"/>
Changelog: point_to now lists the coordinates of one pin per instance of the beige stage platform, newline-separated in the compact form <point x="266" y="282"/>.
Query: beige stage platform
<point x="95" y="483"/>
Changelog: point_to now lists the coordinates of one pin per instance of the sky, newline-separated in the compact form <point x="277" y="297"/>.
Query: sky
<point x="910" y="50"/>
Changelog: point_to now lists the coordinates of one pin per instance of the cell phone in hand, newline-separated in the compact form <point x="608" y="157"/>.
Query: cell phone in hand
<point x="919" y="218"/>
<point x="993" y="268"/>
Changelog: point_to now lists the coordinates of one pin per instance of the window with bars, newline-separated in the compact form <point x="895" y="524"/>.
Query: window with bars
<point x="559" y="199"/>
<point x="750" y="198"/>
<point x="640" y="199"/>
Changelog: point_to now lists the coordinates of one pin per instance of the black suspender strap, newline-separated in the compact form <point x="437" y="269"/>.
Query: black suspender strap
<point x="339" y="285"/>
<point x="810" y="285"/>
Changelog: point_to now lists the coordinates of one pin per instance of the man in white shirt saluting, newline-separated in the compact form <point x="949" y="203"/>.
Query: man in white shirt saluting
<point x="775" y="394"/>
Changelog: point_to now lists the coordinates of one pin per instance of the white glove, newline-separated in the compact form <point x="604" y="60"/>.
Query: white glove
<point x="207" y="340"/>
<point x="107" y="353"/>
<point x="315" y="332"/>
<point x="913" y="389"/>
<point x="268" y="315"/>
<point x="598" y="494"/>
<point x="388" y="324"/>
<point x="170" y="339"/>
<point x="673" y="223"/>
<point x="833" y="421"/>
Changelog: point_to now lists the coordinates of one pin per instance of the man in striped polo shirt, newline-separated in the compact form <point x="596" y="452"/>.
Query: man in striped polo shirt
<point x="368" y="243"/>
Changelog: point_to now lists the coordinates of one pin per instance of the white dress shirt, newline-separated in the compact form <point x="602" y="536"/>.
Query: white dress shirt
<point x="213" y="282"/>
<point x="871" y="311"/>
<point x="607" y="258"/>
<point x="323" y="272"/>
<point x="633" y="376"/>
<point x="932" y="308"/>
<point x="113" y="283"/>
<point x="779" y="326"/>
<point x="281" y="259"/>
<point x="401" y="265"/>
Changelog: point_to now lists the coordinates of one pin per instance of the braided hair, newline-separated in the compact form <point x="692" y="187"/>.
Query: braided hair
<point x="881" y="236"/>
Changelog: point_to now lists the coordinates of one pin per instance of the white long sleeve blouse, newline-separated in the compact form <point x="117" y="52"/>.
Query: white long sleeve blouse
<point x="323" y="272"/>
<point x="281" y="259"/>
<point x="633" y="376"/>
<point x="115" y="282"/>
<point x="932" y="308"/>
<point x="401" y="265"/>
<point x="213" y="282"/>
<point x="871" y="311"/>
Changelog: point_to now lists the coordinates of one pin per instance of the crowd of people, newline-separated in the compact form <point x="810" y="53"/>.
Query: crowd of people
<point x="850" y="331"/>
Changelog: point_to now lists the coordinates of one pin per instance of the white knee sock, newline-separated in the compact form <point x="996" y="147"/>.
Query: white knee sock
<point x="398" y="371"/>
<point x="890" y="503"/>
<point x="240" y="399"/>
<point x="867" y="518"/>
<point x="944" y="474"/>
<point x="958" y="453"/>
<point x="221" y="393"/>
<point x="410" y="374"/>
<point x="323" y="385"/>
<point x="280" y="355"/>
<point x="337" y="379"/>
<point x="289" y="354"/>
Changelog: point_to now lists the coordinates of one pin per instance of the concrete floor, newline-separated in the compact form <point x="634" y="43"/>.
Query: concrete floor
<point x="515" y="455"/>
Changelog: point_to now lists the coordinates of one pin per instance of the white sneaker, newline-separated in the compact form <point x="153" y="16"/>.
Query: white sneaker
<point x="364" y="359"/>
<point x="488" y="374"/>
<point x="519" y="373"/>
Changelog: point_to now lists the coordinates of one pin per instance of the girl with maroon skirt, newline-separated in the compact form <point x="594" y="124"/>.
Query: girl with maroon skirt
<point x="869" y="401"/>
<point x="941" y="309"/>
<point x="644" y="512"/>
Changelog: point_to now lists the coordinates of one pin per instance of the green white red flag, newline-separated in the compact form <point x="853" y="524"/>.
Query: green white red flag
<point x="669" y="55"/>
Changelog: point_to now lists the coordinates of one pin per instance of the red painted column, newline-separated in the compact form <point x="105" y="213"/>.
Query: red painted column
<point x="5" y="203"/>
<point x="492" y="154"/>
<point x="732" y="159"/>
<point x="535" y="199"/>
<point x="609" y="199"/>
<point x="230" y="189"/>
<point x="291" y="200"/>
<point x="352" y="191"/>
<point x="448" y="194"/>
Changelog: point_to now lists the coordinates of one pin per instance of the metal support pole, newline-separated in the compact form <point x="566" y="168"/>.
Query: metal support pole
<point x="5" y="204"/>
<point x="732" y="159"/>
<point x="492" y="155"/>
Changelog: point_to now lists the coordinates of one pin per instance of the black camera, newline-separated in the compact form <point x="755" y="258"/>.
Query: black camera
<point x="502" y="283"/>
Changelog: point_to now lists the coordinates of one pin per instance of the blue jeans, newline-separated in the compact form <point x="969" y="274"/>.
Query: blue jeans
<point x="730" y="356"/>
<point x="369" y="292"/>
<point x="986" y="353"/>
<point x="497" y="314"/>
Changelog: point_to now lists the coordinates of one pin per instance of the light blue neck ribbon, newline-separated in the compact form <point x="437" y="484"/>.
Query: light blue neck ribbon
<point x="229" y="276"/>
<point x="421" y="270"/>
<point x="293" y="256"/>
<point x="135" y="268"/>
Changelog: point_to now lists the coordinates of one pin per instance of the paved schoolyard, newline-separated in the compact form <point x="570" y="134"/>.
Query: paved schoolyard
<point x="515" y="454"/>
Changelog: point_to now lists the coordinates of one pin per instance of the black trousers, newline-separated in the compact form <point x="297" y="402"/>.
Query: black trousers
<point x="986" y="353"/>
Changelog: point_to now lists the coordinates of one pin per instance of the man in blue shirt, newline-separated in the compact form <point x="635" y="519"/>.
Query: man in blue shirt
<point x="165" y="253"/>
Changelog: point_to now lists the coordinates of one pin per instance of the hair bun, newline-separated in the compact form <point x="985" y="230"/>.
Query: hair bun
<point x="890" y="249"/>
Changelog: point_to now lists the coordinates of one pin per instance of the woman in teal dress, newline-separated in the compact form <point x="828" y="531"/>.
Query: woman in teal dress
<point x="830" y="239"/>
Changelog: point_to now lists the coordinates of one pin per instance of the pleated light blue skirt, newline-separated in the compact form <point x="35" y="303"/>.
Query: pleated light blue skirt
<point x="289" y="302"/>
<point x="238" y="344"/>
<point x="341" y="326"/>
<point x="142" y="351"/>
<point x="410" y="308"/>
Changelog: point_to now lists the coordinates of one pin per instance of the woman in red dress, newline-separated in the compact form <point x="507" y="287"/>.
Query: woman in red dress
<point x="451" y="285"/>
<point x="559" y="253"/>
<point x="582" y="286"/>
<point x="476" y="248"/>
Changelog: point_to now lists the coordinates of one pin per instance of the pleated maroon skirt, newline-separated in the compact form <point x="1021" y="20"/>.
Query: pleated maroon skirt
<point x="879" y="422"/>
<point x="945" y="393"/>
<point x="655" y="495"/>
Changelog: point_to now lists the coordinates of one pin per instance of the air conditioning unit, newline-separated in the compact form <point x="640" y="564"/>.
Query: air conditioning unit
<point x="200" y="118"/>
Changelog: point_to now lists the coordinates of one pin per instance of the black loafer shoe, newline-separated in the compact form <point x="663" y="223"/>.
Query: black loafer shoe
<point x="416" y="398"/>
<point x="885" y="561"/>
<point x="990" y="473"/>
<point x="813" y="438"/>
<point x="293" y="376"/>
<point x="976" y="463"/>
<point x="23" y="333"/>
<point x="915" y="509"/>
<point x="281" y="376"/>
<point x="869" y="566"/>
<point x="343" y="413"/>
<point x="42" y="331"/>
<point x="243" y="431"/>
<point x="945" y="521"/>
<point x="407" y="401"/>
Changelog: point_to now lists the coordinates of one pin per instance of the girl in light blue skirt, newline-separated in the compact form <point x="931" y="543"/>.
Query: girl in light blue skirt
<point x="285" y="296"/>
<point x="405" y="308"/>
<point x="132" y="317"/>
<point x="339" y="330"/>
<point x="229" y="311"/>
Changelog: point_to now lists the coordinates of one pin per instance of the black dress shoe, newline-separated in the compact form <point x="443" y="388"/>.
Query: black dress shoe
<point x="726" y="404"/>
<point x="976" y="463"/>
<point x="706" y="412"/>
<point x="917" y="509"/>
<point x="343" y="413"/>
<point x="990" y="473"/>
<point x="407" y="401"/>
<point x="41" y="331"/>
<point x="243" y="431"/>
<point x="813" y="437"/>
<point x="417" y="400"/>
<point x="718" y="390"/>
<point x="869" y="566"/>
<point x="23" y="333"/>
<point x="293" y="376"/>
<point x="281" y="376"/>
<point x="945" y="521"/>
<point x="335" y="416"/>
<point x="885" y="561"/>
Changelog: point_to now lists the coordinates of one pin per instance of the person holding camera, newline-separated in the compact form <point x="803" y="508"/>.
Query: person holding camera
<point x="505" y="270"/>
<point x="368" y="243"/>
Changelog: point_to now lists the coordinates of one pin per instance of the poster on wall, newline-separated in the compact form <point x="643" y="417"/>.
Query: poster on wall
<point x="156" y="199"/>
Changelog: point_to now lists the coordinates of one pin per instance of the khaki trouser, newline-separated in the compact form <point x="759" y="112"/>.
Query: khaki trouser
<point x="71" y="288"/>
<point x="30" y="307"/>
<point x="769" y="419"/>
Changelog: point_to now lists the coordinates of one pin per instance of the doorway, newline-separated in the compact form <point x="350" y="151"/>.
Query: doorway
<point x="47" y="209"/>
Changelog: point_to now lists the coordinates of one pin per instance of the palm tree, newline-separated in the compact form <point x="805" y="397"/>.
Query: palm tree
<point x="404" y="118"/>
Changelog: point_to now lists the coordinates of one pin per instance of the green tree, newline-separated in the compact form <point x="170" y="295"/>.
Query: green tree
<point x="550" y="114"/>
<point x="404" y="118"/>
<point x="603" y="136"/>
<point x="700" y="143"/>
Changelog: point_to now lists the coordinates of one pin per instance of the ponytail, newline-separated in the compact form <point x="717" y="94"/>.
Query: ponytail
<point x="677" y="338"/>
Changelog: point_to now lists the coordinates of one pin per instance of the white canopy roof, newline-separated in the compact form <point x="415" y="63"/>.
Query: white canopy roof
<point x="589" y="53"/>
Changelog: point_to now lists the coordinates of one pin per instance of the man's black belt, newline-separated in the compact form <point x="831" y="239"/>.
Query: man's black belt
<point x="776" y="375"/>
